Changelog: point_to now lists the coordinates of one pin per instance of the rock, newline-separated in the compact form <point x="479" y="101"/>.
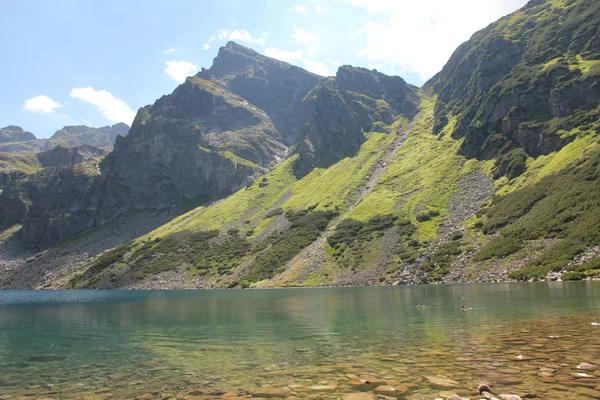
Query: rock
<point x="457" y="397"/>
<point x="391" y="390"/>
<point x="46" y="358"/>
<point x="581" y="375"/>
<point x="359" y="396"/>
<point x="272" y="392"/>
<point x="145" y="396"/>
<point x="322" y="388"/>
<point x="14" y="133"/>
<point x="583" y="392"/>
<point x="553" y="276"/>
<point x="586" y="366"/>
<point x="509" y="397"/>
<point x="442" y="382"/>
<point x="483" y="388"/>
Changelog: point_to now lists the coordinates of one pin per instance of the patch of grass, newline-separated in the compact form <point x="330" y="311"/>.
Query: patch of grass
<point x="26" y="163"/>
<point x="423" y="173"/>
<point x="335" y="187"/>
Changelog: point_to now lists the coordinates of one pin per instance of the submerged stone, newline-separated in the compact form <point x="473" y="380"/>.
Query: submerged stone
<point x="46" y="358"/>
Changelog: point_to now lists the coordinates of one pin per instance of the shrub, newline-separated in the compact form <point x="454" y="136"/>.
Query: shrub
<point x="499" y="247"/>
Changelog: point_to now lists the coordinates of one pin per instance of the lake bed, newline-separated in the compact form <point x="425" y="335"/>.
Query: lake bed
<point x="521" y="338"/>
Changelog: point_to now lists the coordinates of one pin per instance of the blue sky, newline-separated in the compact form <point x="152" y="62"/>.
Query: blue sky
<point x="95" y="62"/>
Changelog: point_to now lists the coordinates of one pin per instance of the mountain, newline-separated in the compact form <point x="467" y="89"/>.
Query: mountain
<point x="14" y="140"/>
<point x="487" y="173"/>
<point x="13" y="133"/>
<point x="80" y="135"/>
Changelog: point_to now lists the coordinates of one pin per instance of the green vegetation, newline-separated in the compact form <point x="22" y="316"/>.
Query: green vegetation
<point x="422" y="176"/>
<point x="440" y="261"/>
<point x="564" y="206"/>
<point x="352" y="237"/>
<point x="499" y="247"/>
<point x="26" y="163"/>
<point x="511" y="164"/>
<point x="277" y="250"/>
<point x="590" y="268"/>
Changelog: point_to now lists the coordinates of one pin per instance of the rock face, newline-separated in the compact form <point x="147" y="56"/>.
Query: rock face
<point x="274" y="86"/>
<point x="13" y="133"/>
<point x="61" y="156"/>
<point x="84" y="135"/>
<point x="342" y="110"/>
<point x="202" y="140"/>
<point x="65" y="197"/>
<point x="512" y="86"/>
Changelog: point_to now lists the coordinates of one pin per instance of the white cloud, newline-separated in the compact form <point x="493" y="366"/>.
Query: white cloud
<point x="318" y="67"/>
<point x="179" y="70"/>
<point x="206" y="46"/>
<point x="111" y="107"/>
<point x="312" y="41"/>
<point x="238" y="35"/>
<point x="284" y="55"/>
<point x="298" y="57"/>
<point x="298" y="9"/>
<point x="41" y="104"/>
<point x="169" y="51"/>
<point x="319" y="7"/>
<point x="420" y="36"/>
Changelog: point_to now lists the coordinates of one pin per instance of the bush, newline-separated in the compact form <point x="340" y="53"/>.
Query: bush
<point x="427" y="215"/>
<point x="275" y="212"/>
<point x="511" y="164"/>
<point x="499" y="247"/>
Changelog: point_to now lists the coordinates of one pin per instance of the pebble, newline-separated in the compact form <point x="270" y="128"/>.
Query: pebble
<point x="586" y="366"/>
<point x="359" y="396"/>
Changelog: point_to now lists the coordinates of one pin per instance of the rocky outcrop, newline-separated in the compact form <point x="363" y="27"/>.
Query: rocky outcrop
<point x="524" y="81"/>
<point x="201" y="140"/>
<point x="14" y="133"/>
<point x="344" y="109"/>
<point x="80" y="135"/>
<point x="274" y="86"/>
<point x="61" y="156"/>
<point x="66" y="196"/>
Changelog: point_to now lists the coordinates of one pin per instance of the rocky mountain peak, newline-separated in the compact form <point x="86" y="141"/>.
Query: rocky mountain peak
<point x="12" y="128"/>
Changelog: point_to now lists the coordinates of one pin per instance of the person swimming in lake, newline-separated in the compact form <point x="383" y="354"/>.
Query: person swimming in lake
<point x="420" y="305"/>
<point x="466" y="308"/>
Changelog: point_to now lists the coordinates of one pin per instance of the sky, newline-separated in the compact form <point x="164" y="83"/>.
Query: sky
<point x="96" y="62"/>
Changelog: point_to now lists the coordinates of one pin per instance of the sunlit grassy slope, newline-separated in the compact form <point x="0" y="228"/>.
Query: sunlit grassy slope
<point x="414" y="192"/>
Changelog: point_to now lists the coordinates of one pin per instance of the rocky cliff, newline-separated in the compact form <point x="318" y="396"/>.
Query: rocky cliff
<point x="525" y="81"/>
<point x="13" y="133"/>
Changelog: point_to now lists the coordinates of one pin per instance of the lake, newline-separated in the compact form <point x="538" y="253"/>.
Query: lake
<point x="521" y="338"/>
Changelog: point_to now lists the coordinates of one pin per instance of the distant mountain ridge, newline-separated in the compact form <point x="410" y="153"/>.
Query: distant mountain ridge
<point x="13" y="139"/>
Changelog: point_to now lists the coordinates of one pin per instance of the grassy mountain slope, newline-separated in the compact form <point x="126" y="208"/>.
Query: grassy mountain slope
<point x="495" y="178"/>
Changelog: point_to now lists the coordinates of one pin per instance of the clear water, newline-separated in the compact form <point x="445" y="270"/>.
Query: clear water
<point x="301" y="342"/>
